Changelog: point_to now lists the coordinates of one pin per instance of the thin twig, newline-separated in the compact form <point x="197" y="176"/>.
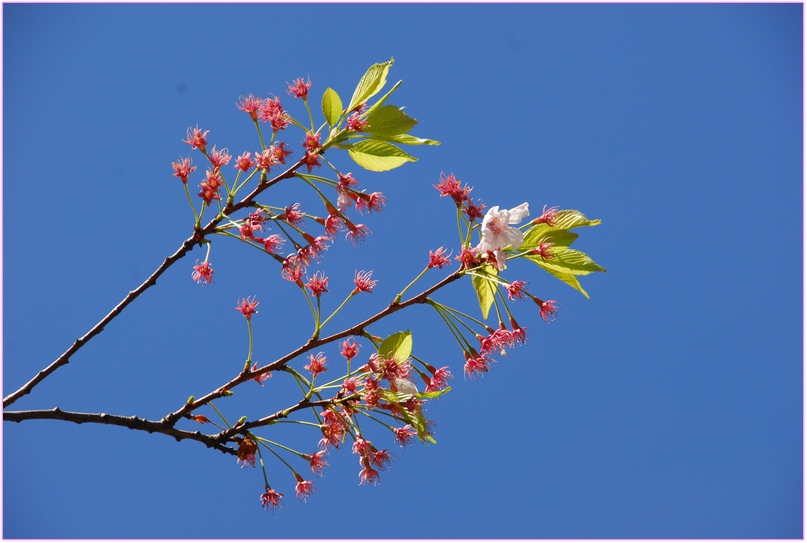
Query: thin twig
<point x="133" y="423"/>
<point x="304" y="403"/>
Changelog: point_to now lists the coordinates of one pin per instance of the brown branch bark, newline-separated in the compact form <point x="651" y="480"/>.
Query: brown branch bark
<point x="213" y="441"/>
<point x="133" y="423"/>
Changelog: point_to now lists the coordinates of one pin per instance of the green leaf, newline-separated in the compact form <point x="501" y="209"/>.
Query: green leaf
<point x="569" y="279"/>
<point x="389" y="121"/>
<point x="434" y="394"/>
<point x="398" y="346"/>
<point x="371" y="83"/>
<point x="378" y="156"/>
<point x="485" y="288"/>
<point x="567" y="265"/>
<point x="406" y="139"/>
<point x="566" y="219"/>
<point x="420" y="425"/>
<point x="541" y="232"/>
<point x="569" y="261"/>
<point x="380" y="101"/>
<point x="331" y="106"/>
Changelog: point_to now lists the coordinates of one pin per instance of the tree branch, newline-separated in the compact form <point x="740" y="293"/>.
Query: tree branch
<point x="133" y="423"/>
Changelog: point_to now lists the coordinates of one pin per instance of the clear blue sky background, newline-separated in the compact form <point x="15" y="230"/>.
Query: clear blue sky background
<point x="668" y="405"/>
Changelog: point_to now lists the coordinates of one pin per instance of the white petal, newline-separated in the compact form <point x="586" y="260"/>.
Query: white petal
<point x="484" y="246"/>
<point x="501" y="260"/>
<point x="405" y="386"/>
<point x="518" y="213"/>
<point x="515" y="237"/>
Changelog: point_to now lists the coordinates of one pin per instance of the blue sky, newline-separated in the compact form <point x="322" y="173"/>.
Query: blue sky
<point x="668" y="405"/>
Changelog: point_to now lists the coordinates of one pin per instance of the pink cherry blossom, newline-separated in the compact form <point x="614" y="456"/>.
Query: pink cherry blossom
<point x="438" y="258"/>
<point x="202" y="273"/>
<point x="247" y="306"/>
<point x="363" y="282"/>
<point x="318" y="284"/>
<point x="183" y="168"/>
<point x="304" y="488"/>
<point x="196" y="138"/>
<point x="299" y="89"/>
<point x="316" y="364"/>
<point x="271" y="500"/>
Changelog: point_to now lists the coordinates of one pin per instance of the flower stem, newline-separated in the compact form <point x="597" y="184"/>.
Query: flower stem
<point x="461" y="314"/>
<point x="249" y="354"/>
<point x="277" y="455"/>
<point x="275" y="444"/>
<point x="349" y="296"/>
<point x="310" y="116"/>
<point x="415" y="280"/>
<point x="260" y="135"/>
<point x="190" y="201"/>
<point x="459" y="225"/>
<point x="245" y="181"/>
<point x="451" y="326"/>
<point x="220" y="415"/>
<point x="314" y="312"/>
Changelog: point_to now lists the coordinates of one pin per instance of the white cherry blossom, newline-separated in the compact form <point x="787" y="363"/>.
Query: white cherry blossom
<point x="497" y="232"/>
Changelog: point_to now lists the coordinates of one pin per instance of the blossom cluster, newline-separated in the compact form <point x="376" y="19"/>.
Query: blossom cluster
<point x="382" y="386"/>
<point x="308" y="246"/>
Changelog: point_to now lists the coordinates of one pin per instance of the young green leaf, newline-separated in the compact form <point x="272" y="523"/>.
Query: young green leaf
<point x="543" y="233"/>
<point x="389" y="121"/>
<point x="378" y="156"/>
<point x="485" y="288"/>
<point x="406" y="139"/>
<point x="569" y="279"/>
<point x="398" y="346"/>
<point x="331" y="106"/>
<point x="566" y="219"/>
<point x="371" y="83"/>
<point x="569" y="261"/>
<point x="433" y="394"/>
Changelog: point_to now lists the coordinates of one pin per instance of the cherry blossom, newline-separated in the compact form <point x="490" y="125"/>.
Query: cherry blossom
<point x="515" y="290"/>
<point x="318" y="284"/>
<point x="244" y="162"/>
<point x="196" y="138"/>
<point x="247" y="306"/>
<point x="304" y="488"/>
<point x="363" y="282"/>
<point x="271" y="500"/>
<point x="497" y="232"/>
<point x="251" y="105"/>
<point x="405" y="436"/>
<point x="549" y="309"/>
<point x="183" y="168"/>
<point x="299" y="89"/>
<point x="202" y="273"/>
<point x="349" y="348"/>
<point x="246" y="452"/>
<point x="439" y="380"/>
<point x="317" y="462"/>
<point x="438" y="258"/>
<point x="316" y="364"/>
<point x="548" y="217"/>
